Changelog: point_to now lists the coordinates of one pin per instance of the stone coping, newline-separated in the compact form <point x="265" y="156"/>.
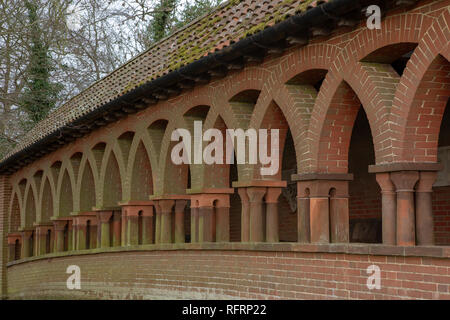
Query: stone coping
<point x="353" y="248"/>
<point x="405" y="166"/>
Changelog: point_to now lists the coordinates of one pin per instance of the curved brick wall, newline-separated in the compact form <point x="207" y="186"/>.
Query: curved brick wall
<point x="236" y="271"/>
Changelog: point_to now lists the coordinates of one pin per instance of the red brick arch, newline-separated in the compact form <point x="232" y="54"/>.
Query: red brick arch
<point x="30" y="207"/>
<point x="112" y="182"/>
<point x="420" y="99"/>
<point x="139" y="174"/>
<point x="46" y="200"/>
<point x="87" y="163"/>
<point x="326" y="129"/>
<point x="15" y="207"/>
<point x="64" y="195"/>
<point x="363" y="78"/>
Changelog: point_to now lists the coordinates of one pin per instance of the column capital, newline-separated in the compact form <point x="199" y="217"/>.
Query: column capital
<point x="243" y="194"/>
<point x="13" y="237"/>
<point x="43" y="229"/>
<point x="404" y="181"/>
<point x="210" y="200"/>
<point x="321" y="188"/>
<point x="180" y="205"/>
<point x="82" y="218"/>
<point x="166" y="205"/>
<point x="272" y="195"/>
<point x="133" y="210"/>
<point x="426" y="181"/>
<point x="256" y="194"/>
<point x="60" y="225"/>
<point x="104" y="216"/>
<point x="26" y="234"/>
<point x="385" y="182"/>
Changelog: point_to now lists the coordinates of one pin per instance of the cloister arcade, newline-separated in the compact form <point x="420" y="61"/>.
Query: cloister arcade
<point x="364" y="147"/>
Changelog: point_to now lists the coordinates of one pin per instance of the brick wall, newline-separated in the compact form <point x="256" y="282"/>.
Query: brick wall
<point x="231" y="273"/>
<point x="441" y="195"/>
<point x="5" y="195"/>
<point x="365" y="195"/>
<point x="441" y="214"/>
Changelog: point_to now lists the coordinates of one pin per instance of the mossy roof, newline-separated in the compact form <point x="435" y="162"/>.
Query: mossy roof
<point x="227" y="24"/>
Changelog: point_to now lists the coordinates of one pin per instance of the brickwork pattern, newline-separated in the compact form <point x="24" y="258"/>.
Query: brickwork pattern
<point x="231" y="274"/>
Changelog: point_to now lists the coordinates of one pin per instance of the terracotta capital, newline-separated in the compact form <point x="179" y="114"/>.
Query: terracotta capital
<point x="426" y="181"/>
<point x="104" y="216"/>
<point x="60" y="225"/>
<point x="322" y="188"/>
<point x="166" y="206"/>
<point x="256" y="194"/>
<point x="180" y="205"/>
<point x="405" y="181"/>
<point x="272" y="195"/>
<point x="243" y="194"/>
<point x="385" y="182"/>
<point x="13" y="237"/>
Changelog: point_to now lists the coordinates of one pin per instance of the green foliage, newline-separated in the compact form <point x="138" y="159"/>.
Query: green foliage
<point x="40" y="94"/>
<point x="194" y="10"/>
<point x="166" y="19"/>
<point x="160" y="23"/>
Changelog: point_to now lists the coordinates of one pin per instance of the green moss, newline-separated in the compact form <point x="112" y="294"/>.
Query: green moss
<point x="185" y="54"/>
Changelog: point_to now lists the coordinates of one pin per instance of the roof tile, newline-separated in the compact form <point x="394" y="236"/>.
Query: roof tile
<point x="229" y="23"/>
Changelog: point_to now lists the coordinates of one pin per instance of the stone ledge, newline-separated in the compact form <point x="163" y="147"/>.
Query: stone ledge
<point x="357" y="249"/>
<point x="405" y="166"/>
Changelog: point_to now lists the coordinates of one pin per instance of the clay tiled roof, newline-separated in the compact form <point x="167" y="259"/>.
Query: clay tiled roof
<point x="229" y="23"/>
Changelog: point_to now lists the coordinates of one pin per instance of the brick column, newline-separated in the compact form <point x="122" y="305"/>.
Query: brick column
<point x="116" y="228"/>
<point x="259" y="198"/>
<point x="205" y="223"/>
<point x="272" y="224"/>
<point x="132" y="228"/>
<point x="388" y="208"/>
<point x="223" y="219"/>
<point x="104" y="219"/>
<point x="124" y="226"/>
<point x="70" y="236"/>
<point x="404" y="182"/>
<point x="41" y="237"/>
<point x="59" y="227"/>
<point x="339" y="216"/>
<point x="180" y="205"/>
<point x="80" y="234"/>
<point x="213" y="209"/>
<point x="411" y="208"/>
<point x="74" y="235"/>
<point x="14" y="239"/>
<point x="319" y="218"/>
<point x="323" y="199"/>
<point x="11" y="249"/>
<point x="166" y="220"/>
<point x="256" y="195"/>
<point x="158" y="223"/>
<point x="194" y="221"/>
<point x="245" y="215"/>
<point x="303" y="214"/>
<point x="424" y="209"/>
<point x="27" y="246"/>
<point x="147" y="225"/>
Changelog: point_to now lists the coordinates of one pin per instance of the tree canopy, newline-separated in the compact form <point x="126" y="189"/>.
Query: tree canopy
<point x="50" y="50"/>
